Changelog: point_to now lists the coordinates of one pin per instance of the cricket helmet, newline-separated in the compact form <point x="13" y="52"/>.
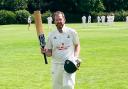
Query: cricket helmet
<point x="71" y="65"/>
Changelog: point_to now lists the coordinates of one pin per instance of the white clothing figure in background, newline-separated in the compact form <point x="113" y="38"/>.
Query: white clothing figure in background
<point x="29" y="22"/>
<point x="98" y="19"/>
<point x="49" y="19"/>
<point x="89" y="19"/>
<point x="103" y="19"/>
<point x="113" y="18"/>
<point x="110" y="19"/>
<point x="84" y="19"/>
<point x="127" y="19"/>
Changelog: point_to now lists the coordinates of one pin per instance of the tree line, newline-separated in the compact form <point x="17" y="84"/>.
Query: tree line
<point x="73" y="8"/>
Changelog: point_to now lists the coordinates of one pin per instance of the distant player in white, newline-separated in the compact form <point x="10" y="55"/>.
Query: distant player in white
<point x="49" y="19"/>
<point x="83" y="19"/>
<point x="62" y="44"/>
<point x="127" y="19"/>
<point x="110" y="19"/>
<point x="103" y="19"/>
<point x="98" y="19"/>
<point x="29" y="21"/>
<point x="89" y="19"/>
<point x="113" y="18"/>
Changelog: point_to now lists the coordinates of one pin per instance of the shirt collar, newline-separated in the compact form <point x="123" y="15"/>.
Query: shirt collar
<point x="63" y="29"/>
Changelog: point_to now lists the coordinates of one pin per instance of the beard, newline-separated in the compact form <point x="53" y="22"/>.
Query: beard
<point x="59" y="25"/>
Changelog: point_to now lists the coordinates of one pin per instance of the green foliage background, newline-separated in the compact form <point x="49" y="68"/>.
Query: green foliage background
<point x="74" y="9"/>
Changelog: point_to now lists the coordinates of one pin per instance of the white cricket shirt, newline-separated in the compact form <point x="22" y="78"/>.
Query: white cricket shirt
<point x="62" y="44"/>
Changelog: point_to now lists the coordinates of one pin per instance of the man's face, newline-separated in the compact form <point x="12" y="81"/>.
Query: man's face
<point x="59" y="21"/>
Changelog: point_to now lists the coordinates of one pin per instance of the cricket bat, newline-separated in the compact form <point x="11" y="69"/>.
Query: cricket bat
<point x="40" y="30"/>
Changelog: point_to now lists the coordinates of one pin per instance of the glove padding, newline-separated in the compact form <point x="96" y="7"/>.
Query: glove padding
<point x="71" y="65"/>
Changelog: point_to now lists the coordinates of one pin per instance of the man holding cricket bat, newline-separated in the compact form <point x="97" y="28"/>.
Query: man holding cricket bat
<point x="63" y="43"/>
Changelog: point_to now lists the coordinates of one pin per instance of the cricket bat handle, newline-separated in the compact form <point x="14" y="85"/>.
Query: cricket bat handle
<point x="45" y="58"/>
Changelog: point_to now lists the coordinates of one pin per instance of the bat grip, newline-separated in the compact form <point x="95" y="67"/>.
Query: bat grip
<point x="45" y="58"/>
<point x="42" y="44"/>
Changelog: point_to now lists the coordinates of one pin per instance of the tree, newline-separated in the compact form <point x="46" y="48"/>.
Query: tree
<point x="115" y="5"/>
<point x="13" y="5"/>
<point x="1" y="4"/>
<point x="78" y="6"/>
<point x="98" y="6"/>
<point x="90" y="6"/>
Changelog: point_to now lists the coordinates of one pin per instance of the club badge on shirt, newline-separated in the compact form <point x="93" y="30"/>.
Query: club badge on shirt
<point x="62" y="47"/>
<point x="68" y="36"/>
<point x="54" y="37"/>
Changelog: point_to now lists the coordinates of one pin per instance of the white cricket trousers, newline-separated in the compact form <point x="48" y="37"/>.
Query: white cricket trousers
<point x="61" y="79"/>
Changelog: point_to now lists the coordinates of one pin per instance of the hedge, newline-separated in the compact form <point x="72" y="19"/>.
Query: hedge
<point x="7" y="17"/>
<point x="22" y="16"/>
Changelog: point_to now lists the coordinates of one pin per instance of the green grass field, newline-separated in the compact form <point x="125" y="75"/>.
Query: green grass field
<point x="104" y="54"/>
